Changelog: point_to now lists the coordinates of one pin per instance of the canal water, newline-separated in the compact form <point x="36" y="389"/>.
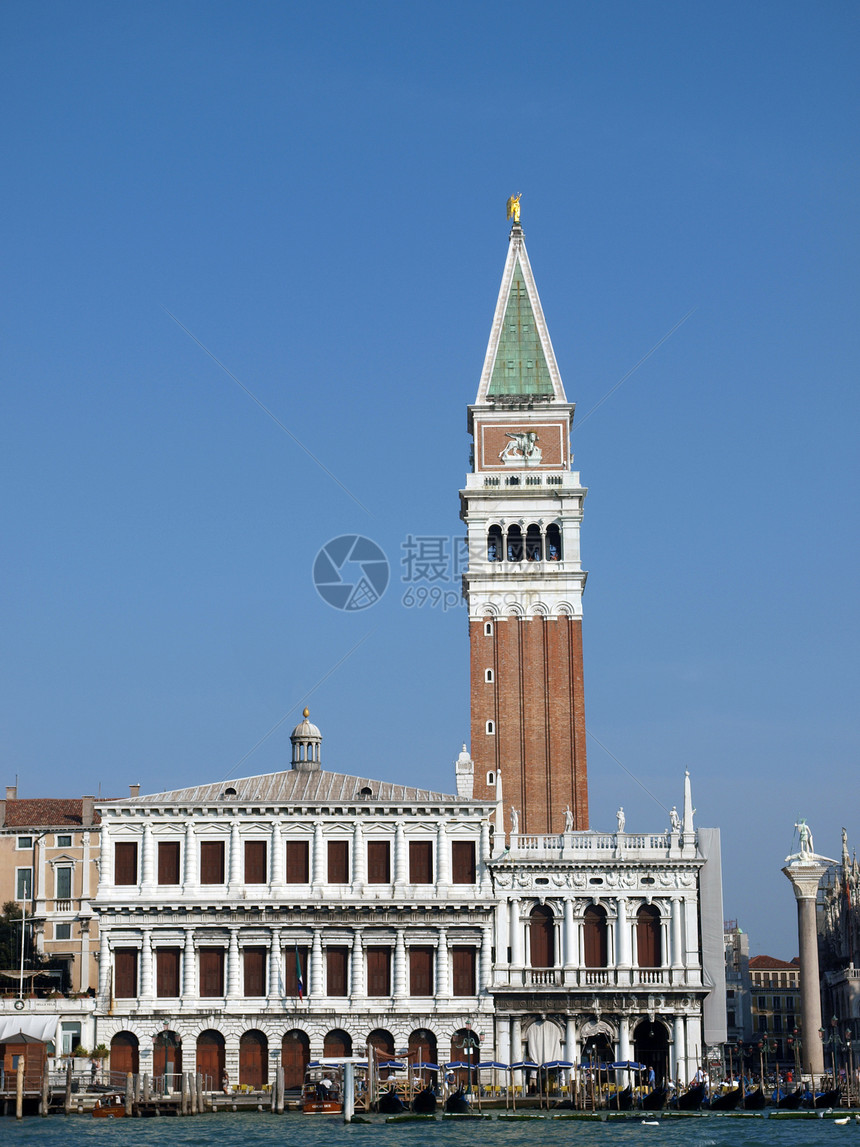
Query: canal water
<point x="262" y="1130"/>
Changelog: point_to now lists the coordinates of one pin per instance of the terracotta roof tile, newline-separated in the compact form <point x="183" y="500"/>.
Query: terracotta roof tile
<point x="43" y="812"/>
<point x="771" y="964"/>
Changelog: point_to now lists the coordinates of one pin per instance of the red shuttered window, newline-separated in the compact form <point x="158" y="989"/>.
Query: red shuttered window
<point x="463" y="862"/>
<point x="212" y="862"/>
<point x="338" y="862"/>
<point x="125" y="973"/>
<point x="255" y="971"/>
<point x="420" y="971"/>
<point x="463" y="968"/>
<point x="420" y="862"/>
<point x="379" y="971"/>
<point x="298" y="862"/>
<point x="167" y="972"/>
<point x="211" y="972"/>
<point x="378" y="862"/>
<point x="168" y="862"/>
<point x="125" y="862"/>
<point x="255" y="862"/>
<point x="337" y="960"/>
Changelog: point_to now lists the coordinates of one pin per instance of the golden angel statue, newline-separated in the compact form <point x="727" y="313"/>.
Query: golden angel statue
<point x="514" y="207"/>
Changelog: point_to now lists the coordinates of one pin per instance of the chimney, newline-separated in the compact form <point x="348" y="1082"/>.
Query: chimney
<point x="87" y="804"/>
<point x="11" y="792"/>
<point x="134" y="790"/>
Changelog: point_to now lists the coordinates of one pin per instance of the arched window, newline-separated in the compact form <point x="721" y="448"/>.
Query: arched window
<point x="211" y="1056"/>
<point x="124" y="1053"/>
<point x="648" y="945"/>
<point x="494" y="544"/>
<point x="491" y="728"/>
<point x="542" y="938"/>
<point x="491" y="782"/>
<point x="337" y="1043"/>
<point x="553" y="543"/>
<point x="515" y="544"/>
<point x="295" y="1053"/>
<point x="534" y="547"/>
<point x="253" y="1060"/>
<point x="301" y="752"/>
<point x="488" y="675"/>
<point x="595" y="938"/>
<point x="488" y="629"/>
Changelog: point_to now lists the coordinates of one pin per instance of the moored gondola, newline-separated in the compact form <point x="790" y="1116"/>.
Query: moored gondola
<point x="655" y="1100"/>
<point x="457" y="1103"/>
<point x="754" y="1100"/>
<point x="824" y="1099"/>
<point x="692" y="1099"/>
<point x="790" y="1102"/>
<point x="424" y="1102"/>
<point x="728" y="1101"/>
<point x="622" y="1100"/>
<point x="390" y="1103"/>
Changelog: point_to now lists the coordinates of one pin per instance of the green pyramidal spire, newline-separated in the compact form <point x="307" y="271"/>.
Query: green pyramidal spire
<point x="520" y="366"/>
<point x="520" y="361"/>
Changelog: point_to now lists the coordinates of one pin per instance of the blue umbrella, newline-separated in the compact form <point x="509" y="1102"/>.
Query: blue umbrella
<point x="428" y="1066"/>
<point x="493" y="1063"/>
<point x="556" y="1063"/>
<point x="457" y="1063"/>
<point x="626" y="1065"/>
<point x="523" y="1063"/>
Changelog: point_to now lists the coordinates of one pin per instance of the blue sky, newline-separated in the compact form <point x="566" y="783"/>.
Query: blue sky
<point x="317" y="194"/>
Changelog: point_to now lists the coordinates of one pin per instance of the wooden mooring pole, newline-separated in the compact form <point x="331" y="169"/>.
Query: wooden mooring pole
<point x="46" y="1094"/>
<point x="129" y="1093"/>
<point x="19" y="1089"/>
<point x="67" y="1098"/>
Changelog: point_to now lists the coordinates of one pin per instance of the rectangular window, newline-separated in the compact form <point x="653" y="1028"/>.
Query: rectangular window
<point x="336" y="964"/>
<point x="463" y="969"/>
<point x="298" y="862"/>
<point x="125" y="862"/>
<point x="420" y="971"/>
<point x="762" y="1023"/>
<point x="62" y="931"/>
<point x="378" y="862"/>
<point x="255" y="862"/>
<point x="762" y="1003"/>
<point x="63" y="883"/>
<point x="338" y="862"/>
<point x="125" y="973"/>
<point x="70" y="1037"/>
<point x="789" y="1003"/>
<point x="463" y="862"/>
<point x="63" y="840"/>
<point x="291" y="977"/>
<point x="777" y="1023"/>
<point x="255" y="971"/>
<point x="776" y="1003"/>
<point x="730" y="1019"/>
<point x="167" y="972"/>
<point x="379" y="971"/>
<point x="420" y="862"/>
<point x="789" y="1022"/>
<point x="24" y="842"/>
<point x="212" y="863"/>
<point x="211" y="972"/>
<point x="23" y="883"/>
<point x="168" y="862"/>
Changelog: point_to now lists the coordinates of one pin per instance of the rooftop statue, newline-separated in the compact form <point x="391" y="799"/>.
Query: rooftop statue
<point x="806" y="846"/>
<point x="514" y="207"/>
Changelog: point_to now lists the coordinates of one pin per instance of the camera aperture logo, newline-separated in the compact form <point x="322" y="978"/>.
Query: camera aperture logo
<point x="351" y="573"/>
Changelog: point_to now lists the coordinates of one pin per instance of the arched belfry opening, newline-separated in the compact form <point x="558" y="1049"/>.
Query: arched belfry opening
<point x="306" y="740"/>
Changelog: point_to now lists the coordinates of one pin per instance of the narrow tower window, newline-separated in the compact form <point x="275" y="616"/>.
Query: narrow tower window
<point x="515" y="544"/>
<point x="491" y="728"/>
<point x="491" y="780"/>
<point x="488" y="629"/>
<point x="553" y="543"/>
<point x="534" y="549"/>
<point x="488" y="675"/>
<point x="494" y="544"/>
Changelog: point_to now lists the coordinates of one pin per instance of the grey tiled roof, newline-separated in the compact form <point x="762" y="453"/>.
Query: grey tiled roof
<point x="295" y="786"/>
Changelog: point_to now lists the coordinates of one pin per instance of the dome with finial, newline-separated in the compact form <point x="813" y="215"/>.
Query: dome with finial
<point x="306" y="740"/>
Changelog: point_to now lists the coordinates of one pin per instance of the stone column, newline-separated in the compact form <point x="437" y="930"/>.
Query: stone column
<point x="359" y="860"/>
<point x="677" y="945"/>
<point x="483" y="870"/>
<point x="622" y="935"/>
<point x="443" y="860"/>
<point x="317" y="984"/>
<point x="277" y="874"/>
<point x="503" y="1039"/>
<point x="146" y="965"/>
<point x="399" y="966"/>
<point x="189" y="967"/>
<point x="571" y="956"/>
<point x="104" y="965"/>
<point x="318" y="861"/>
<point x="147" y="859"/>
<point x="234" y="981"/>
<point x="516" y="1049"/>
<point x="190" y="858"/>
<point x="235" y="872"/>
<point x="401" y="856"/>
<point x="571" y="1051"/>
<point x="357" y="966"/>
<point x="486" y="961"/>
<point x="804" y="872"/>
<point x="624" y="1038"/>
<point x="85" y="867"/>
<point x="276" y="958"/>
<point x="681" y="1074"/>
<point x="516" y="934"/>
<point x="442" y="986"/>
<point x="501" y="920"/>
<point x="106" y="859"/>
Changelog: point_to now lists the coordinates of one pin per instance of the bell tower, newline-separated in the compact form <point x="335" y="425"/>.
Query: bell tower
<point x="522" y="506"/>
